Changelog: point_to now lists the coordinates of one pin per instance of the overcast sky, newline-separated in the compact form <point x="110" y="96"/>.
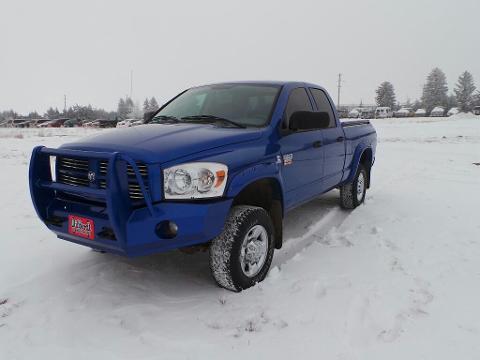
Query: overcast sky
<point x="86" y="49"/>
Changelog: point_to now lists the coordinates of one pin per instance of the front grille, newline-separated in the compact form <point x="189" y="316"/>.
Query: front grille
<point x="134" y="189"/>
<point x="142" y="168"/>
<point x="73" y="171"/>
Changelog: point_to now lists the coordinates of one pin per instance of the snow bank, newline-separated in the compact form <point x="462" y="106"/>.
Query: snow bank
<point x="394" y="279"/>
<point x="462" y="115"/>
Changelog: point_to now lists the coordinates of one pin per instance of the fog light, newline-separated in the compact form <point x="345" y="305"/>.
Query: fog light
<point x="166" y="229"/>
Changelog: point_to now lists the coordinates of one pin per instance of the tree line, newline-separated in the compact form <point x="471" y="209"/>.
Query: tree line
<point x="126" y="109"/>
<point x="435" y="93"/>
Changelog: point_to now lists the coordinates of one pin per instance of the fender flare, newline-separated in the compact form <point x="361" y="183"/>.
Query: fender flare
<point x="253" y="173"/>
<point x="359" y="151"/>
<point x="264" y="171"/>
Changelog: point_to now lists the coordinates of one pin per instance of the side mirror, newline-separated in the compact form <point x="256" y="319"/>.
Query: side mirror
<point x="148" y="116"/>
<point x="308" y="120"/>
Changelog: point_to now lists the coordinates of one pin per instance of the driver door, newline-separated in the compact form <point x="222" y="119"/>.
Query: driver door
<point x="302" y="154"/>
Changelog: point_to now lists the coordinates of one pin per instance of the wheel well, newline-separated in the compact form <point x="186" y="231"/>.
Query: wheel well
<point x="267" y="194"/>
<point x="366" y="160"/>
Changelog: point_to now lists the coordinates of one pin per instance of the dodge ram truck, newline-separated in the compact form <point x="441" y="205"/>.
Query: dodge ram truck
<point x="217" y="166"/>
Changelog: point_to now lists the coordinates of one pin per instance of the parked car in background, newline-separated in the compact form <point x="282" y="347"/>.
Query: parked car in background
<point x="88" y="124"/>
<point x="404" y="112"/>
<point x="129" y="123"/>
<point x="71" y="123"/>
<point x="453" y="111"/>
<point x="383" y="112"/>
<point x="21" y="123"/>
<point x="420" y="113"/>
<point x="38" y="122"/>
<point x="367" y="114"/>
<point x="54" y="123"/>
<point x="476" y="110"/>
<point x="354" y="113"/>
<point x="101" y="123"/>
<point x="104" y="123"/>
<point x="438" y="111"/>
<point x="342" y="113"/>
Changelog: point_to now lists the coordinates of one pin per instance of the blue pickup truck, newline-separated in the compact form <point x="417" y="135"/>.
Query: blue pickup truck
<point x="218" y="165"/>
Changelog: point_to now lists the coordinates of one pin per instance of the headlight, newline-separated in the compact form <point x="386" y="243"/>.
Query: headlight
<point x="197" y="180"/>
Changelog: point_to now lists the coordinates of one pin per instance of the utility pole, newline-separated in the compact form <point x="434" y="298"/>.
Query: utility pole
<point x="131" y="84"/>
<point x="339" y="87"/>
<point x="64" y="103"/>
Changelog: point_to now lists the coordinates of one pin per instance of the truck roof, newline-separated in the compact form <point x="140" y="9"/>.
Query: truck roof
<point x="264" y="82"/>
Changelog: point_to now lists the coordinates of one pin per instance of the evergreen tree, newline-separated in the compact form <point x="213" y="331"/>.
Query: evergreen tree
<point x="452" y="101"/>
<point x="476" y="99"/>
<point x="8" y="115"/>
<point x="408" y="104"/>
<point x="435" y="90"/>
<point x="33" y="115"/>
<point x="52" y="114"/>
<point x="464" y="91"/>
<point x="129" y="104"/>
<point x="146" y="105"/>
<point x="153" y="104"/>
<point x="136" y="112"/>
<point x="122" y="110"/>
<point x="417" y="105"/>
<point x="385" y="95"/>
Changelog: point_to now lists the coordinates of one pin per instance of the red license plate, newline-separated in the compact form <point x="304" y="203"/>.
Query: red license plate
<point x="80" y="226"/>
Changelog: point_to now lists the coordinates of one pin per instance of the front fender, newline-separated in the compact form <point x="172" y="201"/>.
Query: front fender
<point x="252" y="173"/>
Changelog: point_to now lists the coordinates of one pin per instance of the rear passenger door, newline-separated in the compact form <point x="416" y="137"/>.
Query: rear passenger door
<point x="333" y="143"/>
<point x="301" y="153"/>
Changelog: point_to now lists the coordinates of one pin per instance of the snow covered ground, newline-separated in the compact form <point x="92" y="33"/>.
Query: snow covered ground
<point x="398" y="278"/>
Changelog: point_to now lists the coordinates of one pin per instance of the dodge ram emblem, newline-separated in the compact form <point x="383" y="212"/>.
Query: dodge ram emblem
<point x="91" y="176"/>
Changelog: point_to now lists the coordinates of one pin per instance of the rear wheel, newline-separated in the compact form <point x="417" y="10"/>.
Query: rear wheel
<point x="242" y="254"/>
<point x="353" y="194"/>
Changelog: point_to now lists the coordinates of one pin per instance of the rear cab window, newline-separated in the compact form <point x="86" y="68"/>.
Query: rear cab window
<point x="323" y="104"/>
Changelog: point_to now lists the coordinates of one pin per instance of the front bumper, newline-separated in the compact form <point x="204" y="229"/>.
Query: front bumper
<point x="119" y="227"/>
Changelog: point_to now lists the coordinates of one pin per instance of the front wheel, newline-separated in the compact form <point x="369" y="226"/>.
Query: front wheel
<point x="353" y="194"/>
<point x="242" y="254"/>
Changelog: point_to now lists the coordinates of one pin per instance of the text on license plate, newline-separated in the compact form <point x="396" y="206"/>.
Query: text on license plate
<point x="80" y="226"/>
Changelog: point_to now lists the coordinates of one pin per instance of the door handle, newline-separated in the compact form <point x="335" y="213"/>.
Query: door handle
<point x="340" y="139"/>
<point x="317" y="144"/>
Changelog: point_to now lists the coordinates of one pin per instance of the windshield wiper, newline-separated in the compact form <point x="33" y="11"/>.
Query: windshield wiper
<point x="213" y="118"/>
<point x="164" y="119"/>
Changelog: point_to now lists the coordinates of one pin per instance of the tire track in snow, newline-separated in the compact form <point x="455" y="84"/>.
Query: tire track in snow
<point x="333" y="218"/>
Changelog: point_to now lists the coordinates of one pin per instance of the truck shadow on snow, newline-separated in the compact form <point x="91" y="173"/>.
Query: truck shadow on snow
<point x="178" y="274"/>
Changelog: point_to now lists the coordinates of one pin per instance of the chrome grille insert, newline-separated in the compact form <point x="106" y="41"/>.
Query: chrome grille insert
<point x="73" y="171"/>
<point x="142" y="168"/>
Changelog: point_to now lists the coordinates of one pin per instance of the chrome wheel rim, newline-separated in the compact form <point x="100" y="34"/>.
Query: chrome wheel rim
<point x="253" y="252"/>
<point x="360" y="186"/>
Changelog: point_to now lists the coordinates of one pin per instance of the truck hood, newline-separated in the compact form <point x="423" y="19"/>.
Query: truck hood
<point x="164" y="142"/>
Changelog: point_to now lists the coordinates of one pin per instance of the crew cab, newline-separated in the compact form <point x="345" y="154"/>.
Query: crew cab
<point x="217" y="166"/>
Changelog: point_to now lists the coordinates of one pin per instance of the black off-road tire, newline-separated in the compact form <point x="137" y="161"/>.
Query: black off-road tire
<point x="225" y="249"/>
<point x="349" y="199"/>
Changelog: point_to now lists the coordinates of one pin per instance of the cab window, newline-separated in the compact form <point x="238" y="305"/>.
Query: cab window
<point x="297" y="101"/>
<point x="323" y="105"/>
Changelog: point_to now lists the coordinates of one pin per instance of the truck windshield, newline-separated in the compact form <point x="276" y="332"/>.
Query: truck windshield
<point x="244" y="104"/>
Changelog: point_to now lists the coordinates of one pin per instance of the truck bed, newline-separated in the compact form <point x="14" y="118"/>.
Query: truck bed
<point x="346" y="123"/>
